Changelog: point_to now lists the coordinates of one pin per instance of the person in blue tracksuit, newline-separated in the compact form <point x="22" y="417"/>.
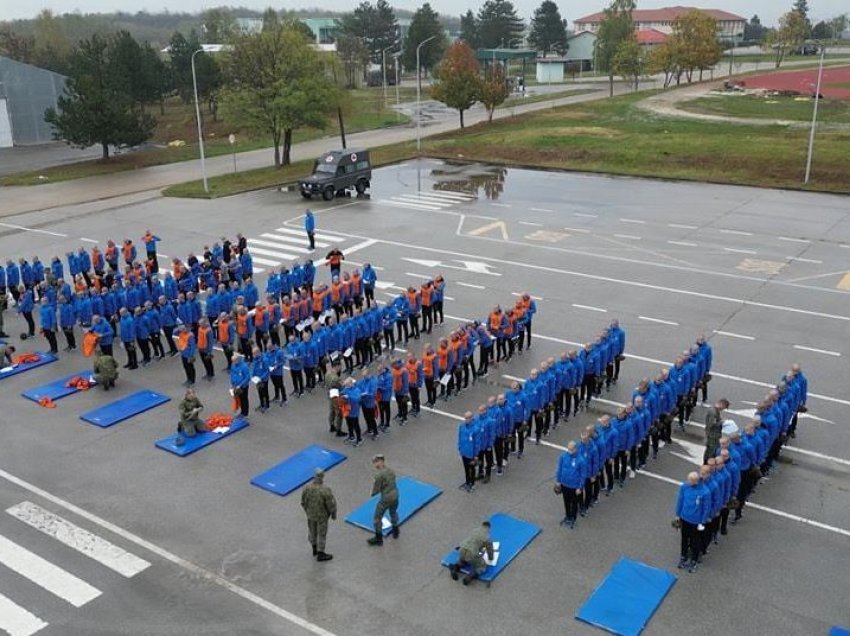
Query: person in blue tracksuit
<point x="67" y="320"/>
<point x="796" y="378"/>
<point x="104" y="332"/>
<point x="275" y="359"/>
<point x="127" y="333"/>
<point x="370" y="277"/>
<point x="644" y="423"/>
<point x="487" y="428"/>
<point x="706" y="354"/>
<point x="188" y="351"/>
<point x="351" y="397"/>
<point x="606" y="439"/>
<point x="617" y="338"/>
<point x="143" y="334"/>
<point x="47" y="321"/>
<point x="384" y="380"/>
<point x="590" y="453"/>
<point x="467" y="447"/>
<point x="311" y="359"/>
<point x="570" y="478"/>
<point x="294" y="352"/>
<point x="692" y="512"/>
<point x="310" y="229"/>
<point x="260" y="374"/>
<point x="240" y="378"/>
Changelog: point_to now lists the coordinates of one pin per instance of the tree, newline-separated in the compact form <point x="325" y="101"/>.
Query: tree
<point x="302" y="28"/>
<point x="52" y="47"/>
<point x="458" y="82"/>
<point x="837" y="26"/>
<point x="219" y="25"/>
<point x="95" y="107"/>
<point x="548" y="30"/>
<point x="754" y="31"/>
<point x="664" y="58"/>
<point x="375" y="25"/>
<point x="696" y="35"/>
<point x="270" y="19"/>
<point x="276" y="84"/>
<point x="354" y="57"/>
<point x="628" y="61"/>
<point x="821" y="31"/>
<point x="615" y="27"/>
<point x="498" y="24"/>
<point x="425" y="24"/>
<point x="469" y="29"/>
<point x="791" y="34"/>
<point x="802" y="8"/>
<point x="494" y="89"/>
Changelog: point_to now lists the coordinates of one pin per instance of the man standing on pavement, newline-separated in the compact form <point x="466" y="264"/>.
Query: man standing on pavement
<point x="714" y="427"/>
<point x="569" y="482"/>
<point x="319" y="505"/>
<point x="692" y="510"/>
<point x="470" y="554"/>
<point x="240" y="376"/>
<point x="334" y="260"/>
<point x="310" y="228"/>
<point x="384" y="486"/>
<point x="334" y="385"/>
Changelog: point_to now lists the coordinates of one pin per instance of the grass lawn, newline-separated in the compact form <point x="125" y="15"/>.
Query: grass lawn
<point x="364" y="110"/>
<point x="542" y="97"/>
<point x="270" y="177"/>
<point x="836" y="111"/>
<point x="614" y="136"/>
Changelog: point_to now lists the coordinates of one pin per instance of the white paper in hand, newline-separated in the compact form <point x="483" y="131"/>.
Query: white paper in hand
<point x="347" y="353"/>
<point x="333" y="393"/>
<point x="232" y="393"/>
<point x="255" y="380"/>
<point x="446" y="379"/>
<point x="385" y="523"/>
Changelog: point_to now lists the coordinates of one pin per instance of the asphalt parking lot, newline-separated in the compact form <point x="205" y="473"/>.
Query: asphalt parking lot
<point x="762" y="273"/>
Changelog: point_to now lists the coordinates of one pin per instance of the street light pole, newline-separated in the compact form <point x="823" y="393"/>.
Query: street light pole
<point x="814" y="117"/>
<point x="419" y="90"/>
<point x="198" y="117"/>
<point x="384" y="71"/>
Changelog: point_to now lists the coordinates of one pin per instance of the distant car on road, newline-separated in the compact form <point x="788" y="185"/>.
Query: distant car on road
<point x="337" y="172"/>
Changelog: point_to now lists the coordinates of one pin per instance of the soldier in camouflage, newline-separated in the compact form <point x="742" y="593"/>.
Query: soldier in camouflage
<point x="319" y="505"/>
<point x="333" y="383"/>
<point x="471" y="554"/>
<point x="385" y="486"/>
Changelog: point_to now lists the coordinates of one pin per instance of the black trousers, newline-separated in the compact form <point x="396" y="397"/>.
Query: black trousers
<point x="207" y="360"/>
<point x="353" y="423"/>
<point x="609" y="475"/>
<point x="310" y="374"/>
<point x="311" y="236"/>
<point x="401" y="406"/>
<point x="369" y="292"/>
<point x="570" y="502"/>
<point x="371" y="422"/>
<point x="499" y="449"/>
<point x="263" y="393"/>
<point x="384" y="411"/>
<point x="691" y="541"/>
<point x="414" y="399"/>
<point x="430" y="391"/>
<point x="413" y="321"/>
<point x="437" y="309"/>
<point x="51" y="339"/>
<point x="145" y="346"/>
<point x="169" y="332"/>
<point x="297" y="381"/>
<point x="156" y="344"/>
<point x="132" y="360"/>
<point x="484" y="360"/>
<point x="588" y="388"/>
<point x="279" y="389"/>
<point x="427" y="320"/>
<point x="468" y="470"/>
<point x="389" y="339"/>
<point x="189" y="368"/>
<point x="69" y="337"/>
<point x="244" y="402"/>
<point x="30" y="322"/>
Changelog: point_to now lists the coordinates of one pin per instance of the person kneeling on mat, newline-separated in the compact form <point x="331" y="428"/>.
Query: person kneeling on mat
<point x="190" y="424"/>
<point x="105" y="370"/>
<point x="471" y="554"/>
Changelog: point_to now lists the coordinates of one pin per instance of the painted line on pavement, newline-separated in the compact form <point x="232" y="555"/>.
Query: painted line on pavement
<point x="683" y="243"/>
<point x="32" y="229"/>
<point x="422" y="276"/>
<point x="540" y="210"/>
<point x="804" y="260"/>
<point x="682" y="226"/>
<point x="530" y="295"/>
<point x="586" y="216"/>
<point x="531" y="223"/>
<point x="45" y="574"/>
<point x="590" y="308"/>
<point x="636" y="221"/>
<point x="823" y="351"/>
<point x="630" y="237"/>
<point x="793" y="240"/>
<point x="501" y="205"/>
<point x="357" y="264"/>
<point x="462" y="284"/>
<point x="577" y="229"/>
<point x="17" y="621"/>
<point x="659" y="321"/>
<point x="88" y="240"/>
<point x="735" y="250"/>
<point x="729" y="334"/>
<point x="736" y="232"/>
<point x="168" y="556"/>
<point x="76" y="538"/>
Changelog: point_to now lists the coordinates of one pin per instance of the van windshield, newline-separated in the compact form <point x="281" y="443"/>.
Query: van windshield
<point x="326" y="168"/>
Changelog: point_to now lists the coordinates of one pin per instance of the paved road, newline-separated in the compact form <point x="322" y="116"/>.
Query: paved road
<point x="669" y="260"/>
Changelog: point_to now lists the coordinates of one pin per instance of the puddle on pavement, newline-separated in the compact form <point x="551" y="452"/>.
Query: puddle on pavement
<point x="472" y="179"/>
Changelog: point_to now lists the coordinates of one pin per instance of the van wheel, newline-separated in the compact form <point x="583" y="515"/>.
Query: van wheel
<point x="361" y="186"/>
<point x="328" y="193"/>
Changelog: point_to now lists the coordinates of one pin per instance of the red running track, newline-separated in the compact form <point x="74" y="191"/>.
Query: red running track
<point x="805" y="81"/>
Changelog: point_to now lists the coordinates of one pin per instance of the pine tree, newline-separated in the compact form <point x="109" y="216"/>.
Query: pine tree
<point x="548" y="30"/>
<point x="469" y="29"/>
<point x="425" y="24"/>
<point x="498" y="24"/>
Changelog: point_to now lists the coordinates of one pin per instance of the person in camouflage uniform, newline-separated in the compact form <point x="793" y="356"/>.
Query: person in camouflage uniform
<point x="333" y="383"/>
<point x="105" y="370"/>
<point x="319" y="505"/>
<point x="471" y="554"/>
<point x="385" y="486"/>
<point x="190" y="424"/>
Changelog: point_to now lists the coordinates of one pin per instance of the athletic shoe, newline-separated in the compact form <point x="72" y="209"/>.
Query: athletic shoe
<point x="693" y="567"/>
<point x="631" y="474"/>
<point x="683" y="563"/>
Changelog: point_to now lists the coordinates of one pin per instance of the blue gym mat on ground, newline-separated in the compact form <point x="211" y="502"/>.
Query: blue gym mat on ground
<point x="627" y="598"/>
<point x="413" y="495"/>
<point x="297" y="470"/>
<point x="55" y="390"/>
<point x="43" y="358"/>
<point x="513" y="536"/>
<point x="199" y="441"/>
<point x="124" y="409"/>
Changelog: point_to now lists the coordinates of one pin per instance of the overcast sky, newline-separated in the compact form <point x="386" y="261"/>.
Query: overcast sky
<point x="768" y="10"/>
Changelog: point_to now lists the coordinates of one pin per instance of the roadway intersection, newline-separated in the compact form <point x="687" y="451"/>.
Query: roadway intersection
<point x="762" y="273"/>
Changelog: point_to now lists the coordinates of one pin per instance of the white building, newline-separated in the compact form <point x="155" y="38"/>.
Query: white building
<point x="729" y="25"/>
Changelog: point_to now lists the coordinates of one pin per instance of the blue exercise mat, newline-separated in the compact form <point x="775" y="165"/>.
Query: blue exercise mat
<point x="839" y="631"/>
<point x="199" y="441"/>
<point x="627" y="598"/>
<point x="56" y="390"/>
<point x="297" y="470"/>
<point x="413" y="495"/>
<point x="513" y="536"/>
<point x="125" y="408"/>
<point x="43" y="358"/>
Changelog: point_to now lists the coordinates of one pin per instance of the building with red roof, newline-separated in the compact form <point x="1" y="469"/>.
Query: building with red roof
<point x="729" y="25"/>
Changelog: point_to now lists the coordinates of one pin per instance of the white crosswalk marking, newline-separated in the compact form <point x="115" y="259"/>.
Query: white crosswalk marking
<point x="319" y="235"/>
<point x="16" y="621"/>
<point x="79" y="539"/>
<point x="281" y="256"/>
<point x="410" y="206"/>
<point x="277" y="246"/>
<point x="457" y="196"/>
<point x="285" y="238"/>
<point x="46" y="575"/>
<point x="429" y="200"/>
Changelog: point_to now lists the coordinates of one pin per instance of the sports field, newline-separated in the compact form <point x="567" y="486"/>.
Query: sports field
<point x="836" y="81"/>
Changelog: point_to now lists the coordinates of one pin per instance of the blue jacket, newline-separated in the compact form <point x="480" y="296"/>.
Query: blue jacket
<point x="47" y="317"/>
<point x="260" y="369"/>
<point x="369" y="276"/>
<point x="240" y="375"/>
<point x="590" y="454"/>
<point x="295" y="356"/>
<point x="466" y="440"/>
<point x="385" y="384"/>
<point x="127" y="328"/>
<point x="26" y="303"/>
<point x="488" y="430"/>
<point x="618" y="340"/>
<point x="309" y="222"/>
<point x="311" y="353"/>
<point x="104" y="330"/>
<point x="693" y="503"/>
<point x="191" y="348"/>
<point x="572" y="470"/>
<point x="352" y="396"/>
<point x="67" y="316"/>
<point x="368" y="387"/>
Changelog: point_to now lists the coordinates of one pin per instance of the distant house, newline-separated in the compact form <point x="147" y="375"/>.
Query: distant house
<point x="580" y="49"/>
<point x="649" y="38"/>
<point x="729" y="25"/>
<point x="25" y="93"/>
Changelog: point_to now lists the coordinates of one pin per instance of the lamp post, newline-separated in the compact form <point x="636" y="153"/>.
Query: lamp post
<point x="384" y="70"/>
<point x="419" y="90"/>
<point x="814" y="118"/>
<point x="198" y="117"/>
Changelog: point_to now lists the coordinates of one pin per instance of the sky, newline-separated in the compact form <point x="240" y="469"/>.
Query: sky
<point x="768" y="10"/>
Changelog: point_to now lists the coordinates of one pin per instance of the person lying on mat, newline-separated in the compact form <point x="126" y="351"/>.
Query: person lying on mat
<point x="471" y="554"/>
<point x="190" y="424"/>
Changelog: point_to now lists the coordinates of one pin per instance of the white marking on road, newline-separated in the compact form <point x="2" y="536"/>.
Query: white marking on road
<point x="810" y="453"/>
<point x="736" y="232"/>
<point x="411" y="206"/>
<point x="88" y="240"/>
<point x="683" y="243"/>
<point x="462" y="284"/>
<point x="682" y="226"/>
<point x="590" y="308"/>
<point x="454" y="196"/>
<point x="425" y="202"/>
<point x="577" y="229"/>
<point x="422" y="276"/>
<point x="531" y="223"/>
<point x="377" y="268"/>
<point x="449" y="298"/>
<point x="360" y="246"/>
<point x="168" y="556"/>
<point x="79" y="539"/>
<point x="382" y="284"/>
<point x="630" y="237"/>
<point x="793" y="240"/>
<point x="266" y="262"/>
<point x="279" y="255"/>
<point x="46" y="575"/>
<point x="501" y="205"/>
<point x="275" y="245"/>
<point x="586" y="216"/>
<point x="823" y="351"/>
<point x="32" y="229"/>
<point x="636" y="221"/>
<point x="541" y="210"/>
<point x="804" y="260"/>
<point x="827" y="275"/>
<point x="517" y="294"/>
<point x="16" y="621"/>
<point x="735" y="250"/>
<point x="319" y="235"/>
<point x="729" y="334"/>
<point x="299" y="240"/>
<point x="659" y="320"/>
